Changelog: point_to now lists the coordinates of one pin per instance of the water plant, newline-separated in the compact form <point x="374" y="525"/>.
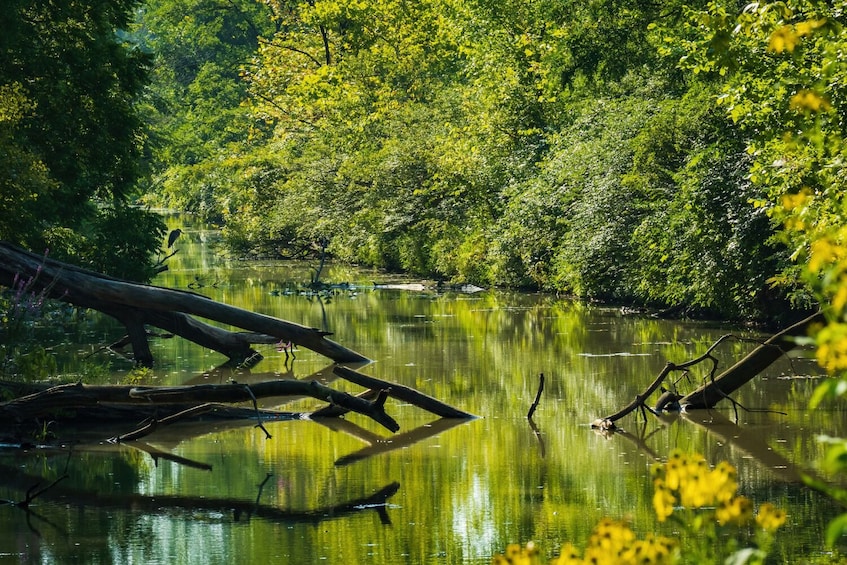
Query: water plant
<point x="23" y="308"/>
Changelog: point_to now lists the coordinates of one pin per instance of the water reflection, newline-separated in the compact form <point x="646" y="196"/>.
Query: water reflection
<point x="459" y="491"/>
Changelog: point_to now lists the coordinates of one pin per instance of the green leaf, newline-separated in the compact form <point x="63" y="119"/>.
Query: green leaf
<point x="836" y="529"/>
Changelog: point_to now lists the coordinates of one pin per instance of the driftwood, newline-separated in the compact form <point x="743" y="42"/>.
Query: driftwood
<point x="404" y="393"/>
<point x="750" y="366"/>
<point x="88" y="409"/>
<point x="719" y="387"/>
<point x="56" y="401"/>
<point x="137" y="305"/>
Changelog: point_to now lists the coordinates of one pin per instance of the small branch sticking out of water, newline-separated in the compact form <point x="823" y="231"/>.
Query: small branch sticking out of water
<point x="537" y="397"/>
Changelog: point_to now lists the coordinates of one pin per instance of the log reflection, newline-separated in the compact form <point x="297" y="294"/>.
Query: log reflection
<point x="749" y="440"/>
<point x="190" y="505"/>
<point x="379" y="445"/>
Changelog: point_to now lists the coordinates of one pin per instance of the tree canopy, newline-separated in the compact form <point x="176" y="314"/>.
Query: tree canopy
<point x="71" y="140"/>
<point x="564" y="146"/>
<point x="609" y="150"/>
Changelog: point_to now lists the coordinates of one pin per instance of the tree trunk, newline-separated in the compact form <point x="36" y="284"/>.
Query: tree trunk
<point x="62" y="398"/>
<point x="135" y="305"/>
<point x="750" y="366"/>
<point x="718" y="387"/>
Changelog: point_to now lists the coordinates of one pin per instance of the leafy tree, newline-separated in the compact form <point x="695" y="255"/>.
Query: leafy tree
<point x="202" y="134"/>
<point x="785" y="87"/>
<point x="71" y="138"/>
<point x="556" y="145"/>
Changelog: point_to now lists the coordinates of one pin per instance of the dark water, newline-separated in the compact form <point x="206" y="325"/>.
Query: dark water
<point x="438" y="491"/>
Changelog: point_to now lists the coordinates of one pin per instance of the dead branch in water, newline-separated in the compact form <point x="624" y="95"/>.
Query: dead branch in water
<point x="537" y="397"/>
<point x="64" y="399"/>
<point x="716" y="388"/>
<point x="404" y="393"/>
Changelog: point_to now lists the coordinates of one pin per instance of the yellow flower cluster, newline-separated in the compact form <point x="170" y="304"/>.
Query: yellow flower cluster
<point x="770" y="518"/>
<point x="688" y="482"/>
<point x="787" y="37"/>
<point x="684" y="481"/>
<point x="613" y="543"/>
<point x="517" y="555"/>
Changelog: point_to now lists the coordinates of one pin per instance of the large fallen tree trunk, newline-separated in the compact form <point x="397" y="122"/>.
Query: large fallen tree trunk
<point x="136" y="305"/>
<point x="715" y="388"/>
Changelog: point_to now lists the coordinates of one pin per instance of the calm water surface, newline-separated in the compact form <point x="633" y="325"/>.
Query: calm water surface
<point x="438" y="491"/>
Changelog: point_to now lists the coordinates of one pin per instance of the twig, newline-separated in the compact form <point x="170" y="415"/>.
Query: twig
<point x="258" y="416"/>
<point x="537" y="397"/>
<point x="32" y="494"/>
<point x="262" y="487"/>
<point x="153" y="423"/>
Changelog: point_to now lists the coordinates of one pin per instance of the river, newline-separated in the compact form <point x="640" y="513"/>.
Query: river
<point x="452" y="491"/>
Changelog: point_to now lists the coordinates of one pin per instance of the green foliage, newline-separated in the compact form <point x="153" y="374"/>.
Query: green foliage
<point x="71" y="140"/>
<point x="785" y="88"/>
<point x="551" y="145"/>
<point x="201" y="137"/>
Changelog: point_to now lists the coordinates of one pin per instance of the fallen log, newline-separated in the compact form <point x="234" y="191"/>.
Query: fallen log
<point x="716" y="388"/>
<point x="136" y="305"/>
<point x="404" y="393"/>
<point x="712" y="392"/>
<point x="61" y="398"/>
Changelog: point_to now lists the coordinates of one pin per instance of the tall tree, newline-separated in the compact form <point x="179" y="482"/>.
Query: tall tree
<point x="68" y="82"/>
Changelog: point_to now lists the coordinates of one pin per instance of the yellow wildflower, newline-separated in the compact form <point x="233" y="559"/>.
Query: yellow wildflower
<point x="738" y="511"/>
<point x="694" y="491"/>
<point x="569" y="555"/>
<point x="663" y="501"/>
<point x="517" y="555"/>
<point x="610" y="537"/>
<point x="651" y="550"/>
<point x="809" y="101"/>
<point x="770" y="518"/>
<point x="797" y="200"/>
<point x="722" y="482"/>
